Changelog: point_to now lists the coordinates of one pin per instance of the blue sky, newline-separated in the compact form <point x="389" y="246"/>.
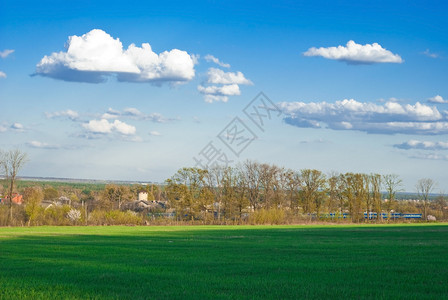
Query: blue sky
<point x="361" y="86"/>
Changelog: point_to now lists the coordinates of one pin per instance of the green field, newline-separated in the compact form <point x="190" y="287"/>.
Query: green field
<point x="225" y="262"/>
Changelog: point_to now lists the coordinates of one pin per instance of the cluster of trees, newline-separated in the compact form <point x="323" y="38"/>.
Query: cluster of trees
<point x="250" y="188"/>
<point x="251" y="192"/>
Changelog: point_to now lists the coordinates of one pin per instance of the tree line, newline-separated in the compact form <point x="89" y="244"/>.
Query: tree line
<point x="251" y="188"/>
<point x="249" y="193"/>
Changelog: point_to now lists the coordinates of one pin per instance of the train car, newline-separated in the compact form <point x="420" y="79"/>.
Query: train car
<point x="411" y="216"/>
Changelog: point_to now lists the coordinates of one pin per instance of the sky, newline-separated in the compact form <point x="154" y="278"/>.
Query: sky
<point x="136" y="90"/>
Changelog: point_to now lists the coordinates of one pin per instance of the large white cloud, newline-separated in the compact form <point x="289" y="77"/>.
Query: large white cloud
<point x="388" y="118"/>
<point x="103" y="126"/>
<point x="96" y="55"/>
<point x="354" y="53"/>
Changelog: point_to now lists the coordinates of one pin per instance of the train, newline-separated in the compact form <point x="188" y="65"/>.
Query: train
<point x="373" y="216"/>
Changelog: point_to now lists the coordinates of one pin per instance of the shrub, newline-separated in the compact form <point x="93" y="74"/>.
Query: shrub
<point x="74" y="215"/>
<point x="114" y="217"/>
<point x="267" y="216"/>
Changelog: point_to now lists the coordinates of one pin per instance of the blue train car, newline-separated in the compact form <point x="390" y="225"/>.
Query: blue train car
<point x="412" y="216"/>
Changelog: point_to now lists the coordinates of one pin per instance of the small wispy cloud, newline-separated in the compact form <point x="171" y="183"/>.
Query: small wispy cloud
<point x="2" y="74"/>
<point x="211" y="58"/>
<point x="5" y="53"/>
<point x="17" y="126"/>
<point x="432" y="156"/>
<point x="422" y="145"/>
<point x="155" y="133"/>
<point x="429" y="54"/>
<point x="42" y="145"/>
<point x="70" y="114"/>
<point x="134" y="113"/>
<point x="316" y="141"/>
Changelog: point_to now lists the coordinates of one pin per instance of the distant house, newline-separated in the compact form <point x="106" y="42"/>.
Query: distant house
<point x="142" y="205"/>
<point x="143" y="196"/>
<point x="63" y="200"/>
<point x="16" y="198"/>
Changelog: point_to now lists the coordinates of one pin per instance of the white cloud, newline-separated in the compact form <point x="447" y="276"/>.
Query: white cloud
<point x="99" y="126"/>
<point x="388" y="118"/>
<point x="422" y="145"/>
<point x="103" y="126"/>
<point x="70" y="114"/>
<point x="219" y="93"/>
<point x="227" y="90"/>
<point x="17" y="126"/>
<point x="124" y="128"/>
<point x="316" y="141"/>
<point x="431" y="156"/>
<point x="215" y="98"/>
<point x="3" y="128"/>
<point x="96" y="55"/>
<point x="41" y="145"/>
<point x="437" y="99"/>
<point x="218" y="76"/>
<point x="6" y="52"/>
<point x="354" y="53"/>
<point x="134" y="113"/>
<point x="429" y="54"/>
<point x="211" y="58"/>
<point x="2" y="74"/>
<point x="222" y="85"/>
<point x="155" y="133"/>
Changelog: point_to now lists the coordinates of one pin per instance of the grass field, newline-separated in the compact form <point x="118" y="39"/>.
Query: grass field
<point x="225" y="262"/>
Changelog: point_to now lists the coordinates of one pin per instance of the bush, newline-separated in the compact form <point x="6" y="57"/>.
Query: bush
<point x="114" y="217"/>
<point x="267" y="216"/>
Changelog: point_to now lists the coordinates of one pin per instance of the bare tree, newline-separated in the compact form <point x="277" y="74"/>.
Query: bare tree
<point x="375" y="180"/>
<point x="424" y="187"/>
<point x="393" y="184"/>
<point x="292" y="189"/>
<point x="11" y="162"/>
<point x="252" y="178"/>
<point x="312" y="186"/>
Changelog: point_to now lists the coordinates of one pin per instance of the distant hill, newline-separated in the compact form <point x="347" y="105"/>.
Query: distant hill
<point x="78" y="180"/>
